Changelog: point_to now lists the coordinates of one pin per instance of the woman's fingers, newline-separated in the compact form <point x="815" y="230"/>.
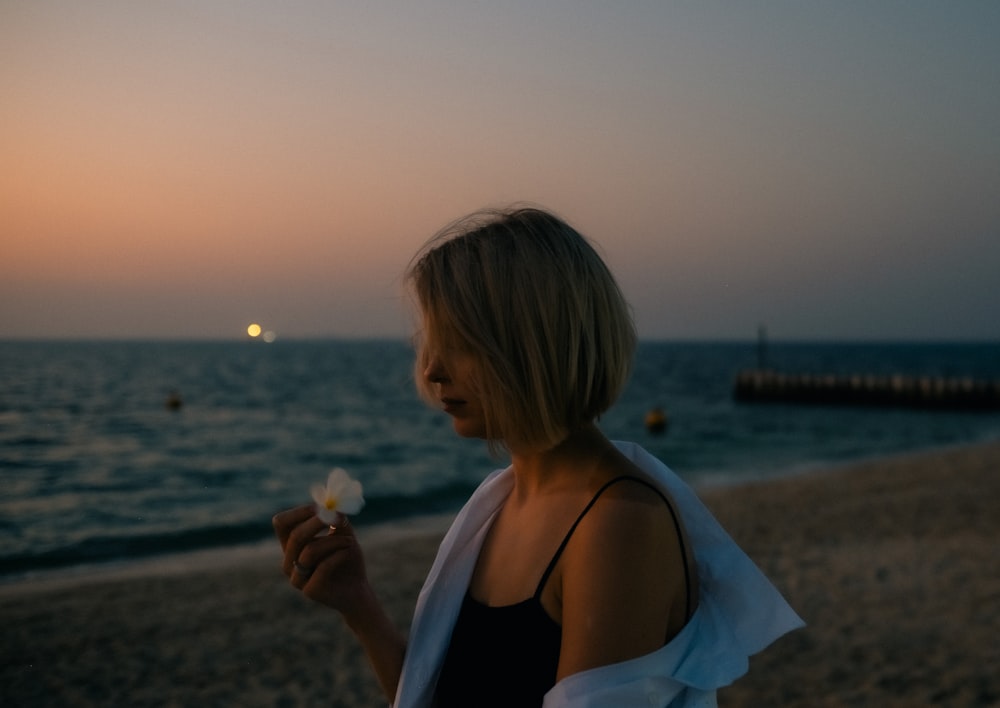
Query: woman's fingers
<point x="342" y="526"/>
<point x="322" y="547"/>
<point x="327" y="567"/>
<point x="285" y="522"/>
<point x="321" y="562"/>
<point x="337" y="576"/>
<point x="297" y="538"/>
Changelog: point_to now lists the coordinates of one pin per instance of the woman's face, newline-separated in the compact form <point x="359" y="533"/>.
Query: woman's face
<point x="451" y="373"/>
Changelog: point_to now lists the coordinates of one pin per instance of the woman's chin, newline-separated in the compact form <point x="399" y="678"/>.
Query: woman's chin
<point x="468" y="429"/>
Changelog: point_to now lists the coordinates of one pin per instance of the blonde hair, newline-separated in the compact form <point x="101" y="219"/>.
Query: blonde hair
<point x="532" y="301"/>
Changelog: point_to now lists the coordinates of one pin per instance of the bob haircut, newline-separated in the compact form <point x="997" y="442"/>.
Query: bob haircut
<point x="550" y="333"/>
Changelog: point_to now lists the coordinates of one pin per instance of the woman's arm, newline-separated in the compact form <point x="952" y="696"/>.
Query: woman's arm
<point x="330" y="569"/>
<point x="623" y="583"/>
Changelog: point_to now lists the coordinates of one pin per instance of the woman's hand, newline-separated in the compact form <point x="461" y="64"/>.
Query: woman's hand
<point x="325" y="564"/>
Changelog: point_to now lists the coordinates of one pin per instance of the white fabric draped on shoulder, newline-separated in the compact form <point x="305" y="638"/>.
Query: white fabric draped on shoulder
<point x="739" y="611"/>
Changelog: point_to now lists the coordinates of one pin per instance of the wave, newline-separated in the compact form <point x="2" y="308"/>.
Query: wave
<point x="115" y="548"/>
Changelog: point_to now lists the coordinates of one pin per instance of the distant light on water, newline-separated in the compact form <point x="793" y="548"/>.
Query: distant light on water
<point x="255" y="331"/>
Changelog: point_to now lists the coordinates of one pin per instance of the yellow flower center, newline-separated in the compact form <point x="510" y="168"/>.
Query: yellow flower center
<point x="331" y="503"/>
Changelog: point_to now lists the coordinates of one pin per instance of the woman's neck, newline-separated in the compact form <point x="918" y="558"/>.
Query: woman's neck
<point x="569" y="462"/>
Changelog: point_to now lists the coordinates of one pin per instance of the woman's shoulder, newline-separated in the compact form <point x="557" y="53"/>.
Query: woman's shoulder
<point x="631" y="526"/>
<point x="621" y="483"/>
<point x="629" y="509"/>
<point x="623" y="576"/>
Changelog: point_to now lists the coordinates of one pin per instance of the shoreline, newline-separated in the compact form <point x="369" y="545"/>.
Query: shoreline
<point x="265" y="549"/>
<point x="206" y="559"/>
<point x="892" y="562"/>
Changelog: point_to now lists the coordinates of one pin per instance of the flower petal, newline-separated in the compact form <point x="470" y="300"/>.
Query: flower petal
<point x="341" y="495"/>
<point x="318" y="492"/>
<point x="337" y="480"/>
<point x="352" y="505"/>
<point x="352" y="499"/>
<point x="327" y="516"/>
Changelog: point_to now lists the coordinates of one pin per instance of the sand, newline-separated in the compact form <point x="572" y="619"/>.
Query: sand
<point x="894" y="563"/>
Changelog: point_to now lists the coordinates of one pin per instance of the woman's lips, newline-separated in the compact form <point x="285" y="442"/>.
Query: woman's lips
<point x="452" y="404"/>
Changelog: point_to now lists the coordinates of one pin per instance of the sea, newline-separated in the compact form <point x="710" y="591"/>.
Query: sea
<point x="97" y="467"/>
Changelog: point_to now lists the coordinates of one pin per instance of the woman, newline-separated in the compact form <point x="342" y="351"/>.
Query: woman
<point x="585" y="573"/>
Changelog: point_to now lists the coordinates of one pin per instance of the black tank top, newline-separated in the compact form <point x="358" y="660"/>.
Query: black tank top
<point x="509" y="655"/>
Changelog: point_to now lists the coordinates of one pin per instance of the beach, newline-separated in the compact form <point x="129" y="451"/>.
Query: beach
<point x="894" y="564"/>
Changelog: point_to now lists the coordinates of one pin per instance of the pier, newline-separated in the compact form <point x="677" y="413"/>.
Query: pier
<point x="938" y="393"/>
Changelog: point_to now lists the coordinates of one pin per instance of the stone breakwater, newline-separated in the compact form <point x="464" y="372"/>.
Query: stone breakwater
<point x="769" y="386"/>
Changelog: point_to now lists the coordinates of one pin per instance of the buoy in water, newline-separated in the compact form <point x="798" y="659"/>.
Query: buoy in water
<point x="656" y="421"/>
<point x="174" y="401"/>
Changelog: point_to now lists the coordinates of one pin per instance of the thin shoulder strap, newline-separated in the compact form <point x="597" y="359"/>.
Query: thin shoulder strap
<point x="673" y="515"/>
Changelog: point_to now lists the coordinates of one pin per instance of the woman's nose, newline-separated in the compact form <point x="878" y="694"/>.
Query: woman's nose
<point x="435" y="371"/>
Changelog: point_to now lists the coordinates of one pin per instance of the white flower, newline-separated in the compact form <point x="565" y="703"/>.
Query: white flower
<point x="341" y="495"/>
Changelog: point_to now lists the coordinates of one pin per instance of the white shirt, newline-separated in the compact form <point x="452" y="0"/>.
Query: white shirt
<point x="739" y="611"/>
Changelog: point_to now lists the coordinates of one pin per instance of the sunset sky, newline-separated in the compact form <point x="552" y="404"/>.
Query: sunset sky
<point x="182" y="169"/>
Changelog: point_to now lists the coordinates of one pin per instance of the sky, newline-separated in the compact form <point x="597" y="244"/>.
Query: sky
<point x="830" y="170"/>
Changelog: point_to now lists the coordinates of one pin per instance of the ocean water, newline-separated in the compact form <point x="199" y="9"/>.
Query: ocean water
<point x="94" y="467"/>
